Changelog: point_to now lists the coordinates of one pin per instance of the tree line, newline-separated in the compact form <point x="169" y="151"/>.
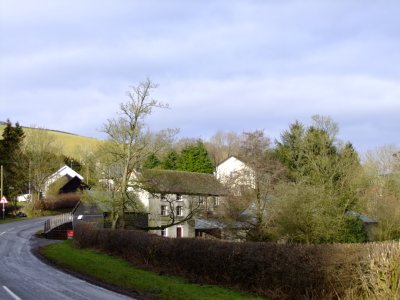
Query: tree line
<point x="308" y="187"/>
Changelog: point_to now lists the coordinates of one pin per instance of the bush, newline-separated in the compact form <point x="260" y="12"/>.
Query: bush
<point x="272" y="270"/>
<point x="62" y="201"/>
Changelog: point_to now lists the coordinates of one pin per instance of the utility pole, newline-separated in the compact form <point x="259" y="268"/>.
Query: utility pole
<point x="1" y="171"/>
<point x="1" y="183"/>
<point x="30" y="192"/>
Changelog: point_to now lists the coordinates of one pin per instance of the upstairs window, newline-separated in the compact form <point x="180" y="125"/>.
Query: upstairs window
<point x="164" y="210"/>
<point x="179" y="210"/>
<point x="216" y="201"/>
<point x="201" y="200"/>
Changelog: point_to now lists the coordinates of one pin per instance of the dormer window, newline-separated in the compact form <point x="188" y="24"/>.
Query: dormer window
<point x="179" y="197"/>
<point x="163" y="197"/>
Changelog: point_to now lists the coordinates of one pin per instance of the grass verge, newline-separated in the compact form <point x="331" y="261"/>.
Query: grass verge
<point x="119" y="273"/>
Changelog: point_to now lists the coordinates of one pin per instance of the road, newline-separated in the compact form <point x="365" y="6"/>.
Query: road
<point x="23" y="276"/>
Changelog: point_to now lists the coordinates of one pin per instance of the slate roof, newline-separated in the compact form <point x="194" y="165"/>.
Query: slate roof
<point x="181" y="182"/>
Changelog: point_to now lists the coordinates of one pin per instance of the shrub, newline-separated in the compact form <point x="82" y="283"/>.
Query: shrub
<point x="276" y="271"/>
<point x="62" y="201"/>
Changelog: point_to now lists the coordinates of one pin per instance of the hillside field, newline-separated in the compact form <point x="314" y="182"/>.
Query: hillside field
<point x="71" y="143"/>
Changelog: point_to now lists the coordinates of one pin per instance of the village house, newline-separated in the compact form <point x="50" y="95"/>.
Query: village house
<point x="64" y="180"/>
<point x="171" y="201"/>
<point x="233" y="172"/>
<point x="178" y="197"/>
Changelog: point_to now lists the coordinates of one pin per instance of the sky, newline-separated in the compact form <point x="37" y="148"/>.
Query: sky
<point x="220" y="65"/>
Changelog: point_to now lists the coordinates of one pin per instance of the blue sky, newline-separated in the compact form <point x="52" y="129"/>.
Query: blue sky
<point x="221" y="65"/>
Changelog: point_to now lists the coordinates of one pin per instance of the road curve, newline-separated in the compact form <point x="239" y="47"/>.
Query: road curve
<point x="25" y="277"/>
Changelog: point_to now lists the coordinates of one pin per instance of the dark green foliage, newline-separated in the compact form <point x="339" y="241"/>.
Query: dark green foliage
<point x="171" y="160"/>
<point x="151" y="162"/>
<point x="355" y="231"/>
<point x="12" y="159"/>
<point x="73" y="163"/>
<point x="325" y="173"/>
<point x="290" y="149"/>
<point x="194" y="158"/>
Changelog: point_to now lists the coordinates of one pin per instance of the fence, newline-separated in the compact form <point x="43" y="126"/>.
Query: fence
<point x="56" y="221"/>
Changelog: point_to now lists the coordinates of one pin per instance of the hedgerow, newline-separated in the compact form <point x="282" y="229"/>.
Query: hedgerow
<point x="276" y="271"/>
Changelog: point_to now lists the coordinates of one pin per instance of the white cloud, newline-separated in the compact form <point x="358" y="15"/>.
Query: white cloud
<point x="233" y="65"/>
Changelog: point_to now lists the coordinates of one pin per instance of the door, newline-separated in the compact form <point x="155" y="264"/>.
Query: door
<point x="178" y="232"/>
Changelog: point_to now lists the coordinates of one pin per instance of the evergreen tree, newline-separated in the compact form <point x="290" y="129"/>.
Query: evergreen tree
<point x="317" y="162"/>
<point x="151" y="162"/>
<point x="72" y="163"/>
<point x="194" y="158"/>
<point x="12" y="159"/>
<point x="171" y="160"/>
<point x="290" y="150"/>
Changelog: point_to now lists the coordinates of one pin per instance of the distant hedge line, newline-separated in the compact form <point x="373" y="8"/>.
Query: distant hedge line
<point x="277" y="271"/>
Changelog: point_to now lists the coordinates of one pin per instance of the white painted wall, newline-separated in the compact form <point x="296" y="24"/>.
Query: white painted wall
<point x="234" y="171"/>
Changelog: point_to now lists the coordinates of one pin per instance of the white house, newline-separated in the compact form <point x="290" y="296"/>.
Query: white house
<point x="234" y="171"/>
<point x="64" y="171"/>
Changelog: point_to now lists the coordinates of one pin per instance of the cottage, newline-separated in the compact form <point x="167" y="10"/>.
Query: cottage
<point x="176" y="197"/>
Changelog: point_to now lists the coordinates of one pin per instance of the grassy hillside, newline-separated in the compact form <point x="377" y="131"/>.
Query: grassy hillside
<point x="71" y="143"/>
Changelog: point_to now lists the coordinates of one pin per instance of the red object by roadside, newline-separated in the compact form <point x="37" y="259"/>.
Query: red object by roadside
<point x="70" y="234"/>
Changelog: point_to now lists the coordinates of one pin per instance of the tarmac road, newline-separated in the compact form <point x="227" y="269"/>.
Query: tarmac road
<point x="23" y="276"/>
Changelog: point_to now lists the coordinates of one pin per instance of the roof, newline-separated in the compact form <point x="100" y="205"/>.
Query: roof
<point x="65" y="170"/>
<point x="208" y="224"/>
<point x="365" y="219"/>
<point x="181" y="182"/>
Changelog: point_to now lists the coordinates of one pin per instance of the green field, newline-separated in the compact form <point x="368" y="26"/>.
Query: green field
<point x="70" y="143"/>
<point x="120" y="273"/>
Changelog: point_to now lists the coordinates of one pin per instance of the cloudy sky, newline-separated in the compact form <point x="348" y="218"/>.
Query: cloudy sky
<point x="221" y="65"/>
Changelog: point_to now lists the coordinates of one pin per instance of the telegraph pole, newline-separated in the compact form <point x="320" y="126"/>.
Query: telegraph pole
<point x="1" y="175"/>
<point x="1" y="183"/>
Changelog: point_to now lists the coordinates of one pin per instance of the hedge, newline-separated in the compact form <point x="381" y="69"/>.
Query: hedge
<point x="276" y="271"/>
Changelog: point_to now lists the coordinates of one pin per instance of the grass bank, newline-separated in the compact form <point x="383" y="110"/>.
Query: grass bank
<point x="117" y="272"/>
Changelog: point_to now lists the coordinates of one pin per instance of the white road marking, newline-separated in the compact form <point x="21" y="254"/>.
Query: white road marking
<point x="3" y="233"/>
<point x="11" y="293"/>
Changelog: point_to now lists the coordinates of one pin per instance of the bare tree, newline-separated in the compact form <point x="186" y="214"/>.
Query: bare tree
<point x="223" y="145"/>
<point x="42" y="152"/>
<point x="129" y="143"/>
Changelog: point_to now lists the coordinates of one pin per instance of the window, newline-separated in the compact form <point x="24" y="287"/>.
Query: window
<point x="178" y="197"/>
<point x="164" y="210"/>
<point x="216" y="201"/>
<point x="163" y="232"/>
<point x="179" y="210"/>
<point x="201" y="200"/>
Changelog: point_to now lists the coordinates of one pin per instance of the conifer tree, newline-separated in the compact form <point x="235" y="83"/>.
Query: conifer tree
<point x="194" y="158"/>
<point x="11" y="157"/>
